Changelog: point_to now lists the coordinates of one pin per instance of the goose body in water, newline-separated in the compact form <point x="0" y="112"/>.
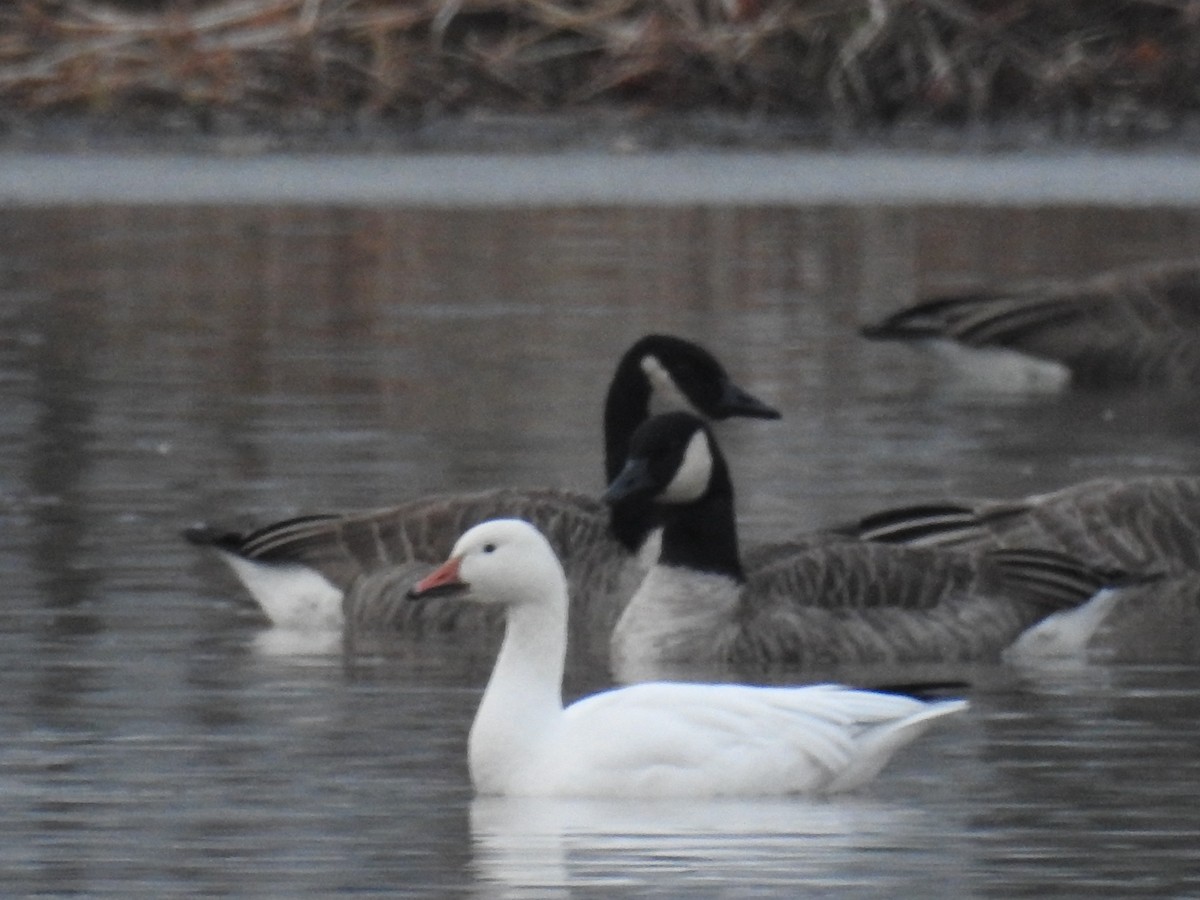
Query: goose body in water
<point x="1134" y="327"/>
<point x="822" y="601"/>
<point x="1148" y="526"/>
<point x="351" y="570"/>
<point x="658" y="739"/>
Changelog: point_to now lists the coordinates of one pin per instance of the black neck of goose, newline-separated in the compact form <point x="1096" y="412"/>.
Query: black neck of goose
<point x="631" y="521"/>
<point x="625" y="408"/>
<point x="702" y="535"/>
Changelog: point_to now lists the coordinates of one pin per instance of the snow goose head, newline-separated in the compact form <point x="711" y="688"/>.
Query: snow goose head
<point x="503" y="561"/>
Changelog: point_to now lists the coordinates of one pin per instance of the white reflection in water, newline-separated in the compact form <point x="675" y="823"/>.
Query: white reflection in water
<point x="295" y="642"/>
<point x="676" y="846"/>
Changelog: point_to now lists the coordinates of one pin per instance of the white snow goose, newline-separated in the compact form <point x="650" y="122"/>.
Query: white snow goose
<point x="658" y="739"/>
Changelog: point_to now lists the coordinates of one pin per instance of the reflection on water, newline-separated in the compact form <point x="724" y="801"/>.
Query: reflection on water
<point x="164" y="365"/>
<point x="674" y="848"/>
<point x="1048" y="769"/>
<point x="1089" y="780"/>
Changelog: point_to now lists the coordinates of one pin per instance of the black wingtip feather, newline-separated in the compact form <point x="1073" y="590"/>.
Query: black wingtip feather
<point x="207" y="536"/>
<point x="931" y="523"/>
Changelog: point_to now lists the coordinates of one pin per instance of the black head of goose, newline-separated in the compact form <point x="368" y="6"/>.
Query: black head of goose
<point x="352" y="569"/>
<point x="821" y="600"/>
<point x="660" y="373"/>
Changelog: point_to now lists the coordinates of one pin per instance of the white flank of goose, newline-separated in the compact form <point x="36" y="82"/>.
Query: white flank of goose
<point x="659" y="739"/>
<point x="351" y="570"/>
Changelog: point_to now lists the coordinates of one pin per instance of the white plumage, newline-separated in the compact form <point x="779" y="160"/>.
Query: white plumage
<point x="660" y="739"/>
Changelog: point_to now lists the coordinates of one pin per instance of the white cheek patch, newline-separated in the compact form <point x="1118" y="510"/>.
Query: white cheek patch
<point x="691" y="478"/>
<point x="665" y="394"/>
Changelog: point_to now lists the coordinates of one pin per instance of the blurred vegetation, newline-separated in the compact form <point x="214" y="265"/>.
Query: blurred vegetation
<point x="1132" y="64"/>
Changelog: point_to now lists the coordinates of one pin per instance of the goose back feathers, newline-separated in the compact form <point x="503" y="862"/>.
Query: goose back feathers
<point x="1148" y="527"/>
<point x="1137" y="524"/>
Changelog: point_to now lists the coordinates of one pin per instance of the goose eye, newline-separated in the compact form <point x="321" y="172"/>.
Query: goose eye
<point x="489" y="548"/>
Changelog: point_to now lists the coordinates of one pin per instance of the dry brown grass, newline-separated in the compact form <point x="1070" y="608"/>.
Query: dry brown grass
<point x="859" y="60"/>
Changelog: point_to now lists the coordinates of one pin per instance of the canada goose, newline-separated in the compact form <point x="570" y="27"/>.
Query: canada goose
<point x="324" y="572"/>
<point x="824" y="600"/>
<point x="658" y="739"/>
<point x="1137" y="326"/>
<point x="1147" y="526"/>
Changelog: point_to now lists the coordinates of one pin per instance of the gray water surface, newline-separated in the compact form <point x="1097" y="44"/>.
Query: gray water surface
<point x="162" y="364"/>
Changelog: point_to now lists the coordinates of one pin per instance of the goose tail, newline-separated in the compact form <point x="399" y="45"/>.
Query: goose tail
<point x="879" y="744"/>
<point x="289" y="594"/>
<point x="1058" y="580"/>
